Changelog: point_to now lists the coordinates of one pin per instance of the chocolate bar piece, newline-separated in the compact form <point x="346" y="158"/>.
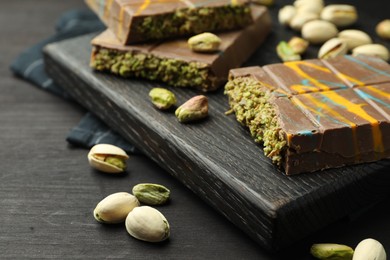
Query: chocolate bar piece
<point x="175" y="63"/>
<point x="139" y="21"/>
<point x="316" y="114"/>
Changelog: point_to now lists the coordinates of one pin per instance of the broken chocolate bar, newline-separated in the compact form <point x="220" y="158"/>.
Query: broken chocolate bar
<point x="140" y="21"/>
<point x="175" y="63"/>
<point x="316" y="114"/>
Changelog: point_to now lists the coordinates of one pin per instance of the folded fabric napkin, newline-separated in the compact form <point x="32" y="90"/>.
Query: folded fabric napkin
<point x="30" y="66"/>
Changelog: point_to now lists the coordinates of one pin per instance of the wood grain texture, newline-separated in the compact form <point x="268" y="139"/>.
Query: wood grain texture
<point x="48" y="191"/>
<point x="216" y="158"/>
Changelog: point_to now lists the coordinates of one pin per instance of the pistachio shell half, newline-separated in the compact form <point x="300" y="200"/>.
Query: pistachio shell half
<point x="115" y="207"/>
<point x="354" y="38"/>
<point x="332" y="48"/>
<point x="376" y="50"/>
<point x="107" y="158"/>
<point x="147" y="224"/>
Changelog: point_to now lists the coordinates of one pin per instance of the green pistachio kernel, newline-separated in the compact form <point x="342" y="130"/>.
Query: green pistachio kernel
<point x="162" y="98"/>
<point x="116" y="161"/>
<point x="151" y="194"/>
<point x="331" y="251"/>
<point x="286" y="53"/>
<point x="195" y="108"/>
<point x="204" y="42"/>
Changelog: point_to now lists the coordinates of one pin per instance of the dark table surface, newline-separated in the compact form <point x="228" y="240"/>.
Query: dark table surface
<point x="48" y="191"/>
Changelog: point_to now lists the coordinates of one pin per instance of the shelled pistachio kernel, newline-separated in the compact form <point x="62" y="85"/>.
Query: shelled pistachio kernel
<point x="383" y="29"/>
<point x="147" y="224"/>
<point x="162" y="98"/>
<point x="286" y="53"/>
<point x="331" y="251"/>
<point x="151" y="194"/>
<point x="204" y="42"/>
<point x="332" y="48"/>
<point x="107" y="158"/>
<point x="194" y="109"/>
<point x="115" y="207"/>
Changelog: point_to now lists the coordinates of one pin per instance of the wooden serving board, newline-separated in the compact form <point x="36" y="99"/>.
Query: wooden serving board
<point x="216" y="158"/>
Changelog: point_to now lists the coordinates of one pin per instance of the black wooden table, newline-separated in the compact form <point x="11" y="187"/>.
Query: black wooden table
<point x="48" y="191"/>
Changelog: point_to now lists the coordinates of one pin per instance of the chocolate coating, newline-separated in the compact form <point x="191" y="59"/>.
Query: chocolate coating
<point x="329" y="111"/>
<point x="236" y="47"/>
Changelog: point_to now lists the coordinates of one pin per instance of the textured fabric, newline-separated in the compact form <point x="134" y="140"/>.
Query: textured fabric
<point x="30" y="66"/>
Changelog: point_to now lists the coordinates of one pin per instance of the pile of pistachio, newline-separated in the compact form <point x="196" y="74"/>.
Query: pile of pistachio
<point x="367" y="249"/>
<point x="142" y="222"/>
<point x="326" y="25"/>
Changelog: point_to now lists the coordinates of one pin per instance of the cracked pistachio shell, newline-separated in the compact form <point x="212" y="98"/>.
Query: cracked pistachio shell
<point x="195" y="108"/>
<point x="298" y="44"/>
<point x="369" y="249"/>
<point x="354" y="38"/>
<point x="332" y="48"/>
<point x="286" y="13"/>
<point x="204" y="42"/>
<point x="115" y="207"/>
<point x="107" y="158"/>
<point x="331" y="251"/>
<point x="340" y="15"/>
<point x="318" y="31"/>
<point x="376" y="50"/>
<point x="147" y="224"/>
<point x="151" y="194"/>
<point x="383" y="29"/>
<point x="162" y="98"/>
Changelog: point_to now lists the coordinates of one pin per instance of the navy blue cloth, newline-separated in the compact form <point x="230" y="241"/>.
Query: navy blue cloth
<point x="30" y="66"/>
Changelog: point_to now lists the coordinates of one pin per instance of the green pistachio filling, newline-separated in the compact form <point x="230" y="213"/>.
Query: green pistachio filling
<point x="116" y="161"/>
<point x="193" y="21"/>
<point x="250" y="102"/>
<point x="174" y="72"/>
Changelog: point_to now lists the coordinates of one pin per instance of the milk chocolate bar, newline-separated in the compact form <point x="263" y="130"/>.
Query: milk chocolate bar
<point x="316" y="114"/>
<point x="174" y="63"/>
<point x="134" y="21"/>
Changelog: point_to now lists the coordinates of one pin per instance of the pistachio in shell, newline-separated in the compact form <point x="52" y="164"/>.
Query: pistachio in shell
<point x="108" y="158"/>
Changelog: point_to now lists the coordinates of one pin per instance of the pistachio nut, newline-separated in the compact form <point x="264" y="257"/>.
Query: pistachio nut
<point x="107" y="158"/>
<point x="115" y="207"/>
<point x="286" y="53"/>
<point x="369" y="249"/>
<point x="376" y="50"/>
<point x="354" y="38"/>
<point x="264" y="2"/>
<point x="331" y="251"/>
<point x="204" y="42"/>
<point x="195" y="108"/>
<point x="147" y="224"/>
<point x="383" y="29"/>
<point x="286" y="13"/>
<point x="162" y="98"/>
<point x="318" y="31"/>
<point x="332" y="48"/>
<point x="300" y="18"/>
<point x="298" y="44"/>
<point x="340" y="15"/>
<point x="151" y="194"/>
<point x="300" y="3"/>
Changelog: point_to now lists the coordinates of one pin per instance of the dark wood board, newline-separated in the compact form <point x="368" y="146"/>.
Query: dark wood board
<point x="216" y="158"/>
